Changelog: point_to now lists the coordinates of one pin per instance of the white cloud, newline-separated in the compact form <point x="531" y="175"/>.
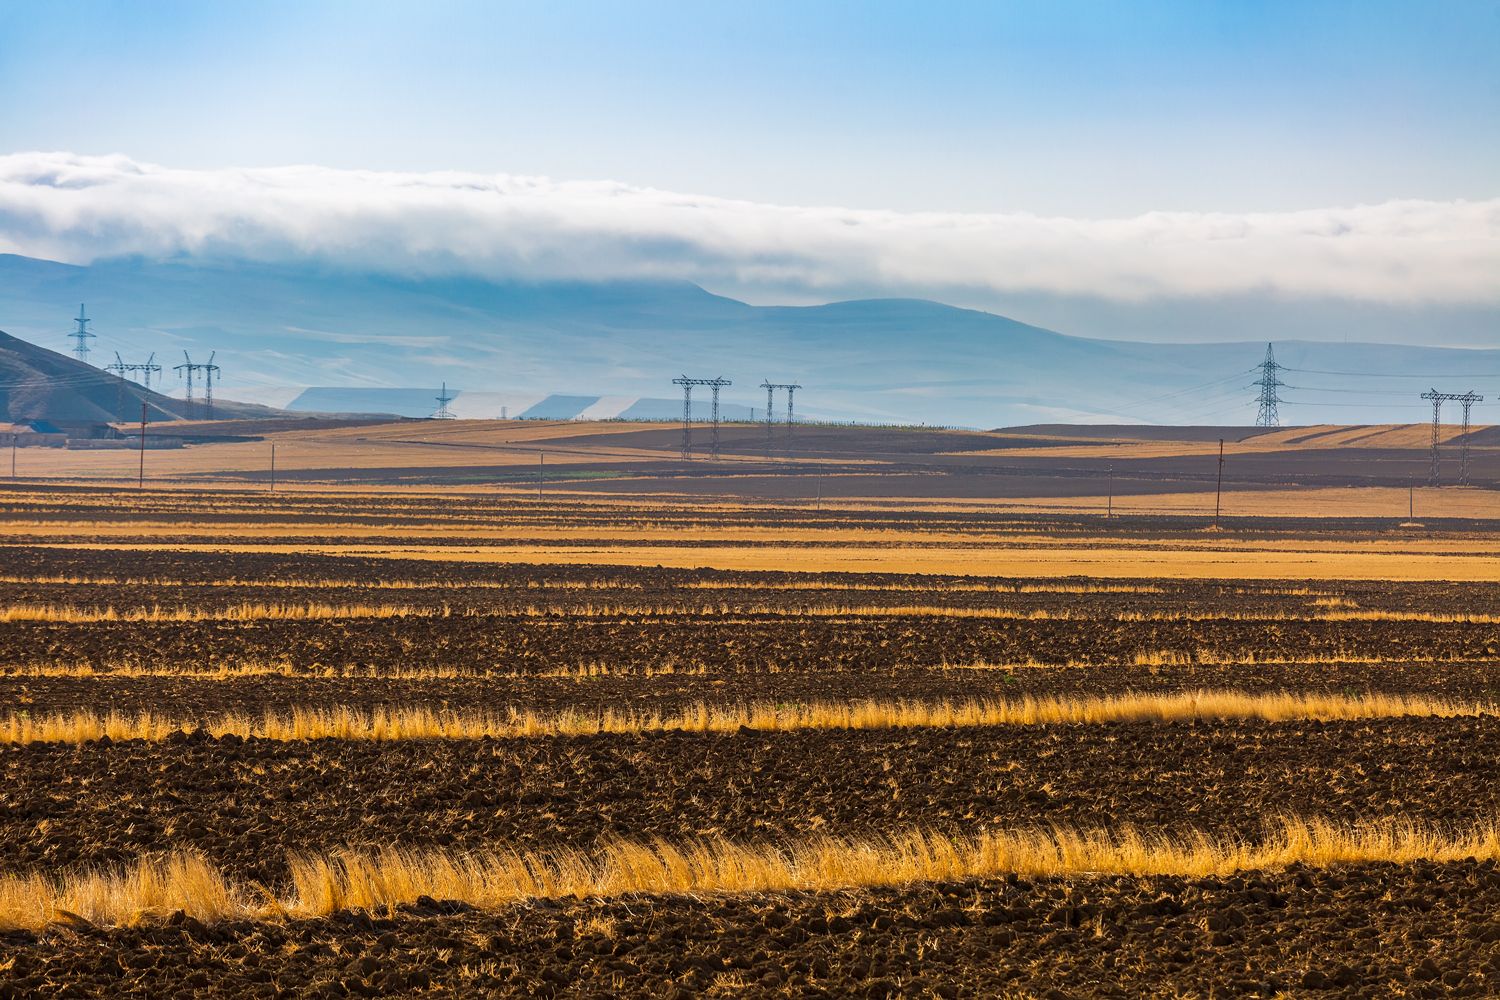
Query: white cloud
<point x="80" y="208"/>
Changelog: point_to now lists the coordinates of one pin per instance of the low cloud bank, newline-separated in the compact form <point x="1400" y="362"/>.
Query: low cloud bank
<point x="82" y="208"/>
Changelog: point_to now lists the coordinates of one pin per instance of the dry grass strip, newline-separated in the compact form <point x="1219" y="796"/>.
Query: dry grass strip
<point x="351" y="879"/>
<point x="724" y="610"/>
<point x="419" y="722"/>
<point x="596" y="670"/>
<point x="235" y="612"/>
<point x="319" y="583"/>
<point x="253" y="668"/>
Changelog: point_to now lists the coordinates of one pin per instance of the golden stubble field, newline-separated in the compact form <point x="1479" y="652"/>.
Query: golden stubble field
<point x="843" y="536"/>
<point x="464" y="741"/>
<point x="1306" y="472"/>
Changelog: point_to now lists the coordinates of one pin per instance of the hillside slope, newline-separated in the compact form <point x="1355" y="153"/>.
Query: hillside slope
<point x="38" y="384"/>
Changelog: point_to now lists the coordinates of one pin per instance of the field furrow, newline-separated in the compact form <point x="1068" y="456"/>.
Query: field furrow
<point x="309" y="768"/>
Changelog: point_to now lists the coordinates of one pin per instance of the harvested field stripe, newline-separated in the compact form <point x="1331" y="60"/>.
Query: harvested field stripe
<point x="231" y="671"/>
<point x="351" y="879"/>
<point x="1200" y="658"/>
<point x="591" y="671"/>
<point x="398" y="723"/>
<point x="724" y="612"/>
<point x="235" y="612"/>
<point x="916" y="586"/>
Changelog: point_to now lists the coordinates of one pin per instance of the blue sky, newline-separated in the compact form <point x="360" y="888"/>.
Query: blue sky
<point x="1061" y="108"/>
<point x="1156" y="169"/>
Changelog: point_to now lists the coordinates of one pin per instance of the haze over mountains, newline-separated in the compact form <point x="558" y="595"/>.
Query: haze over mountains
<point x="373" y="342"/>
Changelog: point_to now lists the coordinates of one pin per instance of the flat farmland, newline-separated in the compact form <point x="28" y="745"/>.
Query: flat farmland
<point x="1295" y="472"/>
<point x="455" y="742"/>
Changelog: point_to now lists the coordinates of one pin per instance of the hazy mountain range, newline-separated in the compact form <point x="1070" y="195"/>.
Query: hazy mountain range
<point x="364" y="341"/>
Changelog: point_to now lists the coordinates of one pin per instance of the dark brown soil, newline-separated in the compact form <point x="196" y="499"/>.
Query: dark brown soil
<point x="720" y="642"/>
<point x="142" y="578"/>
<point x="1421" y="930"/>
<point x="1376" y="930"/>
<point x="245" y="805"/>
<point x="200" y="698"/>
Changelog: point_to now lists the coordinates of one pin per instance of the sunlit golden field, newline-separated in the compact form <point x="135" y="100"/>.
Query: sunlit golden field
<point x="421" y="723"/>
<point x="235" y="716"/>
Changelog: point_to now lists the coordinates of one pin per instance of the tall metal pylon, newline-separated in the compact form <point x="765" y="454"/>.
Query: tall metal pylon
<point x="791" y="413"/>
<point x="771" y="387"/>
<point x="714" y="384"/>
<point x="186" y="371"/>
<point x="1437" y="419"/>
<point x="119" y="368"/>
<point x="687" y="415"/>
<point x="210" y="372"/>
<point x="1467" y="401"/>
<point x="149" y="368"/>
<point x="443" y="399"/>
<point x="82" y="335"/>
<point x="1268" y="382"/>
<point x="124" y="370"/>
<point x="714" y="387"/>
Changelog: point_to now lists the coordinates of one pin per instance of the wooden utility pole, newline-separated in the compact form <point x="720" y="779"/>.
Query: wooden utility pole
<point x="541" y="467"/>
<point x="141" y="479"/>
<point x="1219" y="489"/>
<point x="1109" y="510"/>
<point x="273" y="466"/>
<point x="13" y="439"/>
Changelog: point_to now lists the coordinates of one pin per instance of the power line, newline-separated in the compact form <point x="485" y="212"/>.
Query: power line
<point x="1319" y="371"/>
<point x="1182" y="392"/>
<point x="55" y="382"/>
<point x="1126" y="407"/>
<point x="1358" y="406"/>
<point x="1383" y="393"/>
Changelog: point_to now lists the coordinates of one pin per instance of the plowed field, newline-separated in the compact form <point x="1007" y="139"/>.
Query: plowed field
<point x="150" y="618"/>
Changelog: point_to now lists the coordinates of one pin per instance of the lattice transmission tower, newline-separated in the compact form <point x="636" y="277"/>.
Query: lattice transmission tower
<point x="714" y="384"/>
<point x="1465" y="400"/>
<point x="125" y="370"/>
<point x="149" y="369"/>
<point x="791" y="390"/>
<point x="82" y="335"/>
<point x="210" y="372"/>
<point x="443" y="399"/>
<point x="1269" y="382"/>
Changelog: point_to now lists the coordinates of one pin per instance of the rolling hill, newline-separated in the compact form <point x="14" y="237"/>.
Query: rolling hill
<point x="595" y="349"/>
<point x="38" y="384"/>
